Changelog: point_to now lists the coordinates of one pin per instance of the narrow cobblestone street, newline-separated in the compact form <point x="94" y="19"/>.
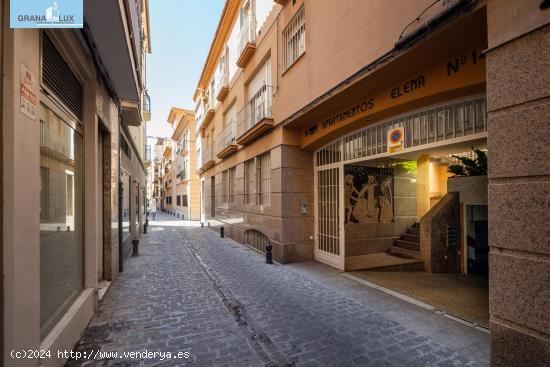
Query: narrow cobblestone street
<point x="191" y="291"/>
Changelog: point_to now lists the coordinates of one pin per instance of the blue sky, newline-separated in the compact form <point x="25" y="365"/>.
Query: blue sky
<point x="181" y="33"/>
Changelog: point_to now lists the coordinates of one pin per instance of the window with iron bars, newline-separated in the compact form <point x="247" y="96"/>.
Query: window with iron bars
<point x="294" y="39"/>
<point x="248" y="181"/>
<point x="263" y="179"/>
<point x="232" y="172"/>
<point x="228" y="186"/>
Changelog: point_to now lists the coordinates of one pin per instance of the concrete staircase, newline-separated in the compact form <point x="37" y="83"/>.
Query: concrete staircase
<point x="404" y="255"/>
<point x="408" y="245"/>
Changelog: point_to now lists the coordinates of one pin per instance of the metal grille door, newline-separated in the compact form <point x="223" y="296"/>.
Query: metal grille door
<point x="328" y="239"/>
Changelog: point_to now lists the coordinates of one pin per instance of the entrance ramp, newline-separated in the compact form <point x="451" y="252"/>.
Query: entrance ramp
<point x="383" y="262"/>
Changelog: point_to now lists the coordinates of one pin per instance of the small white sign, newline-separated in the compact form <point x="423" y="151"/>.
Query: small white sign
<point x="28" y="96"/>
<point x="396" y="141"/>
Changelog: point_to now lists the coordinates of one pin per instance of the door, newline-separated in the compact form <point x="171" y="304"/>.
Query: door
<point x="328" y="226"/>
<point x="100" y="208"/>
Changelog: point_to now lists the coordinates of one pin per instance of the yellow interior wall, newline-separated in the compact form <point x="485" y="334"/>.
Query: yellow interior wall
<point x="422" y="185"/>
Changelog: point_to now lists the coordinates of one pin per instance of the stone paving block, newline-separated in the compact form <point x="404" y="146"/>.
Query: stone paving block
<point x="190" y="290"/>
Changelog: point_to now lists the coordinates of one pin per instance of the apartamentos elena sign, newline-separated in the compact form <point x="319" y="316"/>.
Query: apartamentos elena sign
<point x="46" y="13"/>
<point x="465" y="69"/>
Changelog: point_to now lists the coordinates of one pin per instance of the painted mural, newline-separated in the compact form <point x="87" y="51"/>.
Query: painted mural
<point x="368" y="194"/>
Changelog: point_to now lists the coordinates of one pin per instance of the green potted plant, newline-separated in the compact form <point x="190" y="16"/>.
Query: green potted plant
<point x="470" y="167"/>
<point x="470" y="178"/>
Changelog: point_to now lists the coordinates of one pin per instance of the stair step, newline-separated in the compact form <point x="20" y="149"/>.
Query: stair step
<point x="410" y="237"/>
<point x="408" y="245"/>
<point x="415" y="231"/>
<point x="403" y="252"/>
<point x="416" y="225"/>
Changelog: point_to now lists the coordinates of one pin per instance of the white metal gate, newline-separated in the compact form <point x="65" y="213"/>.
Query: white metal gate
<point x="328" y="226"/>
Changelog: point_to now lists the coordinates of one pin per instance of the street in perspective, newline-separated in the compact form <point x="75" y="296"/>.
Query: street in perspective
<point x="275" y="183"/>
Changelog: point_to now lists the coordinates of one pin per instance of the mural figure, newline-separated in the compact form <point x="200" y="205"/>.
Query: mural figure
<point x="368" y="194"/>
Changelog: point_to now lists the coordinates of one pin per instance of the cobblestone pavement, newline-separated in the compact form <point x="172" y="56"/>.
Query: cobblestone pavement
<point x="191" y="291"/>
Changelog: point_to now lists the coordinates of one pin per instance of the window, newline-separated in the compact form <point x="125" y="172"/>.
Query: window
<point x="228" y="186"/>
<point x="61" y="229"/>
<point x="263" y="177"/>
<point x="232" y="172"/>
<point x="294" y="39"/>
<point x="225" y="187"/>
<point x="184" y="201"/>
<point x="248" y="181"/>
<point x="178" y="200"/>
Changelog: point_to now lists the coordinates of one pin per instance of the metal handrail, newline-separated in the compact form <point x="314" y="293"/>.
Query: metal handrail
<point x="247" y="34"/>
<point x="257" y="109"/>
<point x="227" y="136"/>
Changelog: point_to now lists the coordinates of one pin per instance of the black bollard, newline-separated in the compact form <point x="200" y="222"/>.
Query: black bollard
<point x="145" y="228"/>
<point x="135" y="250"/>
<point x="269" y="253"/>
<point x="202" y="224"/>
<point x="222" y="235"/>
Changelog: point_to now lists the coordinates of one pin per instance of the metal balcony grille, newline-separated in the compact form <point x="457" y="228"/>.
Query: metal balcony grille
<point x="227" y="136"/>
<point x="257" y="109"/>
<point x="59" y="79"/>
<point x="247" y="34"/>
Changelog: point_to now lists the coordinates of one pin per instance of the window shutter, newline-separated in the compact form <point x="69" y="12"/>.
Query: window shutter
<point x="59" y="79"/>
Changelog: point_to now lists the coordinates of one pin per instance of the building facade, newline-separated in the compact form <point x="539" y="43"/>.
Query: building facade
<point x="184" y="188"/>
<point x="74" y="178"/>
<point x="335" y="143"/>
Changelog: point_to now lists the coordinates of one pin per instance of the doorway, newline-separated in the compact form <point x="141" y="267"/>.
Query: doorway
<point x="477" y="240"/>
<point x="100" y="206"/>
<point x="213" y="197"/>
<point x="328" y="231"/>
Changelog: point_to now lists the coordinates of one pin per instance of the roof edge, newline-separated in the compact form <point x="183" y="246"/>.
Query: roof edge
<point x="229" y="11"/>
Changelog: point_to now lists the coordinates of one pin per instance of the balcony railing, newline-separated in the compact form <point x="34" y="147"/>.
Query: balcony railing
<point x="182" y="175"/>
<point x="258" y="109"/>
<point x="222" y="86"/>
<point x="247" y="41"/>
<point x="205" y="158"/>
<point x="206" y="154"/>
<point x="227" y="139"/>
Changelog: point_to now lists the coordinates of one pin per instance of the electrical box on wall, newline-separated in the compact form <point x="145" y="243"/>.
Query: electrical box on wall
<point x="303" y="207"/>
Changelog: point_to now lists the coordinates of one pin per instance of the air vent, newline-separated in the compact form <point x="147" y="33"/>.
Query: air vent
<point x="59" y="79"/>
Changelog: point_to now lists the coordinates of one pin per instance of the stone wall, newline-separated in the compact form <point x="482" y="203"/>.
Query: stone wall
<point x="437" y="256"/>
<point x="518" y="104"/>
<point x="282" y="221"/>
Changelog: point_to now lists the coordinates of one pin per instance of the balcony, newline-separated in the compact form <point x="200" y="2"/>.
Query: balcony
<point x="222" y="86"/>
<point x="206" y="159"/>
<point x="182" y="149"/>
<point x="209" y="114"/>
<point x="255" y="118"/>
<point x="247" y="41"/>
<point x="147" y="161"/>
<point x="227" y="143"/>
<point x="204" y="114"/>
<point x="183" y="177"/>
